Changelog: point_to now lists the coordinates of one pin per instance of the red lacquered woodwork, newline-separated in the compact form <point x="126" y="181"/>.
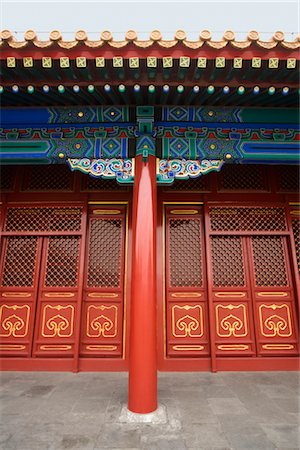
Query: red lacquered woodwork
<point x="20" y="264"/>
<point x="186" y="315"/>
<point x="250" y="280"/>
<point x="103" y="299"/>
<point x="142" y="396"/>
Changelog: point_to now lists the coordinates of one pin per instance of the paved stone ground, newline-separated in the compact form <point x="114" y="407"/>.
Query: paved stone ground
<point x="65" y="411"/>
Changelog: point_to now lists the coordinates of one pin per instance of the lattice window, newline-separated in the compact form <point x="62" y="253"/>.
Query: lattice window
<point x="242" y="177"/>
<point x="7" y="178"/>
<point x="52" y="177"/>
<point x="44" y="219"/>
<point x="62" y="261"/>
<point x="296" y="231"/>
<point x="269" y="261"/>
<point x="247" y="219"/>
<point x="20" y="261"/>
<point x="193" y="184"/>
<point x="227" y="261"/>
<point x="288" y="178"/>
<point x="98" y="184"/>
<point x="104" y="264"/>
<point x="185" y="253"/>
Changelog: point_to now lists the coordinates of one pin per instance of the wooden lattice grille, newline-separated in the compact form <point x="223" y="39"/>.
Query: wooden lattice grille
<point x="7" y="178"/>
<point x="242" y="178"/>
<point x="43" y="219"/>
<point x="296" y="231"/>
<point x="98" y="184"/>
<point x="247" y="219"/>
<point x="227" y="261"/>
<point x="62" y="261"/>
<point x="185" y="253"/>
<point x="289" y="178"/>
<point x="48" y="178"/>
<point x="20" y="261"/>
<point x="105" y="253"/>
<point x="269" y="261"/>
<point x="193" y="184"/>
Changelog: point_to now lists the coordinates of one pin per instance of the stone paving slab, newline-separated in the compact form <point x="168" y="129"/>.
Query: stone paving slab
<point x="204" y="411"/>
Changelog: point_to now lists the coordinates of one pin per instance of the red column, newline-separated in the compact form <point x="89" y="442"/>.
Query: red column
<point x="142" y="396"/>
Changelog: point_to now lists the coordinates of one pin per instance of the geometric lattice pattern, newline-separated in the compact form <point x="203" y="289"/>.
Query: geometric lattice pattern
<point x="7" y="178"/>
<point x="289" y="177"/>
<point x="53" y="177"/>
<point x="185" y="253"/>
<point x="62" y="261"/>
<point x="247" y="219"/>
<point x="104" y="264"/>
<point x="98" y="184"/>
<point x="43" y="219"/>
<point x="242" y="177"/>
<point x="227" y="261"/>
<point x="269" y="261"/>
<point x="296" y="231"/>
<point x="20" y="261"/>
<point x="193" y="184"/>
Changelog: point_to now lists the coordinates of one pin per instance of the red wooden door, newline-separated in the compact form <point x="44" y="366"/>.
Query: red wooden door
<point x="253" y="304"/>
<point x="187" y="329"/>
<point x="57" y="297"/>
<point x="19" y="273"/>
<point x="102" y="326"/>
<point x="39" y="280"/>
<point x="273" y="295"/>
<point x="231" y="311"/>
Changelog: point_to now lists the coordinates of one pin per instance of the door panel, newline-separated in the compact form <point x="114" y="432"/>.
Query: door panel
<point x="231" y="297"/>
<point x="58" y="296"/>
<point x="19" y="284"/>
<point x="103" y="300"/>
<point x="273" y="295"/>
<point x="186" y="312"/>
<point x="249" y="261"/>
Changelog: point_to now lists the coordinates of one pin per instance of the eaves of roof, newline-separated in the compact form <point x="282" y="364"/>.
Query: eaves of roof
<point x="131" y="38"/>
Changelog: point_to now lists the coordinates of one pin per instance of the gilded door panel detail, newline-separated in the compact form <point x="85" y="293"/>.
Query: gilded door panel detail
<point x="19" y="270"/>
<point x="14" y="320"/>
<point x="187" y="321"/>
<point x="102" y="321"/>
<point x="250" y="271"/>
<point x="275" y="320"/>
<point x="233" y="347"/>
<point x="189" y="348"/>
<point x="231" y="320"/>
<point x="103" y="316"/>
<point x="50" y="348"/>
<point x="58" y="321"/>
<point x="186" y="309"/>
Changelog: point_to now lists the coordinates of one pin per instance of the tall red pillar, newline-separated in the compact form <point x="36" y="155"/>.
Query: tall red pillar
<point x="142" y="396"/>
